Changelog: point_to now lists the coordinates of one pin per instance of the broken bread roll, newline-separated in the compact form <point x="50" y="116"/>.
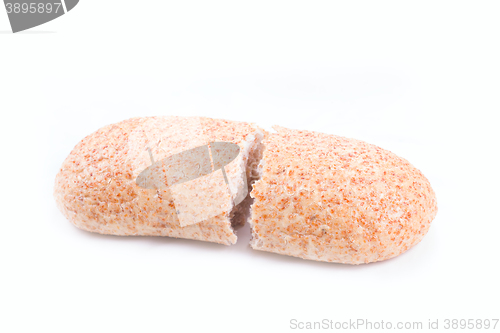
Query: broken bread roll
<point x="314" y="196"/>
<point x="100" y="188"/>
<point x="328" y="198"/>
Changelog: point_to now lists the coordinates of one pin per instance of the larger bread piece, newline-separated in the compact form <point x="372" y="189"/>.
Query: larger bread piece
<point x="96" y="186"/>
<point x="328" y="198"/>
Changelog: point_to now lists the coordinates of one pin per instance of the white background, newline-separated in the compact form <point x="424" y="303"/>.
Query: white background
<point x="421" y="79"/>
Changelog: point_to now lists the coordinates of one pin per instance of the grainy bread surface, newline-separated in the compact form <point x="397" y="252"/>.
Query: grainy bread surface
<point x="328" y="198"/>
<point x="96" y="186"/>
<point x="319" y="196"/>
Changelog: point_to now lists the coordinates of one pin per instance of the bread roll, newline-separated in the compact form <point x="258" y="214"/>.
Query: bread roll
<point x="97" y="187"/>
<point x="328" y="198"/>
<point x="318" y="196"/>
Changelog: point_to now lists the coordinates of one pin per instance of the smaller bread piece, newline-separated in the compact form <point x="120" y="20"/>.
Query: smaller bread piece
<point x="329" y="198"/>
<point x="96" y="187"/>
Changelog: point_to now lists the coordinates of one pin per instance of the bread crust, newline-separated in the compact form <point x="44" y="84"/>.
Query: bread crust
<point x="329" y="198"/>
<point x="320" y="197"/>
<point x="96" y="186"/>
